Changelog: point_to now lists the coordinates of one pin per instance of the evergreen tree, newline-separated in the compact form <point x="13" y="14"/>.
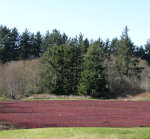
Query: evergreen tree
<point x="140" y="52"/>
<point x="36" y="45"/>
<point x="26" y="45"/>
<point x="57" y="75"/>
<point x="92" y="80"/>
<point x="14" y="44"/>
<point x="107" y="47"/>
<point x="147" y="51"/>
<point x="80" y="47"/>
<point x="54" y="38"/>
<point x="114" y="46"/>
<point x="8" y="44"/>
<point x="126" y="64"/>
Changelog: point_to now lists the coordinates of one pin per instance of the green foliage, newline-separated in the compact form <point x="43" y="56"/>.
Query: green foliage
<point x="62" y="65"/>
<point x="80" y="47"/>
<point x="92" y="80"/>
<point x="14" y="46"/>
<point x="126" y="63"/>
<point x="114" y="46"/>
<point x="58" y="70"/>
<point x="36" y="45"/>
<point x="8" y="44"/>
<point x="140" y="52"/>
<point x="30" y="45"/>
<point x="53" y="39"/>
<point x="147" y="51"/>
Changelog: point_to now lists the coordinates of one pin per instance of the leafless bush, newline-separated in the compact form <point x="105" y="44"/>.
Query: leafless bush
<point x="31" y="71"/>
<point x="2" y="88"/>
<point x="14" y="79"/>
<point x="19" y="77"/>
<point x="122" y="86"/>
<point x="145" y="80"/>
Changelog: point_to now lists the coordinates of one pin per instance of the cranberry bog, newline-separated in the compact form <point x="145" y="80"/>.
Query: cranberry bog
<point x="75" y="113"/>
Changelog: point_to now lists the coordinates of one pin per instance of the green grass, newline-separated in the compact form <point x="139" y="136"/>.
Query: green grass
<point x="58" y="99"/>
<point x="77" y="133"/>
<point x="2" y="98"/>
<point x="87" y="99"/>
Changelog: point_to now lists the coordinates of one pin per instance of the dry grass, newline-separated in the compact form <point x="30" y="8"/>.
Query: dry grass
<point x="142" y="96"/>
<point x="49" y="96"/>
<point x="88" y="137"/>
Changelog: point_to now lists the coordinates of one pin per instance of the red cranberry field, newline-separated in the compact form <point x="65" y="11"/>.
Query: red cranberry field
<point x="75" y="113"/>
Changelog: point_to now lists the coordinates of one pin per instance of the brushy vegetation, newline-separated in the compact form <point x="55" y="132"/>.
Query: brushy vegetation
<point x="78" y="133"/>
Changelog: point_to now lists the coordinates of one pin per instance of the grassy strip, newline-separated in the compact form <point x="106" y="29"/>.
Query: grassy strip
<point x="58" y="99"/>
<point x="77" y="133"/>
<point x="2" y="98"/>
<point x="88" y="99"/>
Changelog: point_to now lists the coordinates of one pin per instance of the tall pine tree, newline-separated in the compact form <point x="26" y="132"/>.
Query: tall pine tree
<point x="126" y="63"/>
<point x="57" y="76"/>
<point x="92" y="80"/>
<point x="9" y="39"/>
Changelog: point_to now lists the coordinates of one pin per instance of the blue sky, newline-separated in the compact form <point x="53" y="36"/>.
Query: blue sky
<point x="93" y="18"/>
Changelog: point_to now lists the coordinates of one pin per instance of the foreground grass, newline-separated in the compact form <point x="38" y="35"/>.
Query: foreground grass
<point x="77" y="133"/>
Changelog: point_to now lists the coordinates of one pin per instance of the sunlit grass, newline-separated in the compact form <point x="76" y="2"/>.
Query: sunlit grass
<point x="2" y="98"/>
<point x="59" y="99"/>
<point x="77" y="133"/>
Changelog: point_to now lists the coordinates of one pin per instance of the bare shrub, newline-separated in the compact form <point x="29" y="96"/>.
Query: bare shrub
<point x="2" y="87"/>
<point x="122" y="86"/>
<point x="31" y="71"/>
<point x="19" y="77"/>
<point x="14" y="78"/>
<point x="145" y="80"/>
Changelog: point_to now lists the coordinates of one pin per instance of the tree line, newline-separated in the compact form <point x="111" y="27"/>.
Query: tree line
<point x="76" y="66"/>
<point x="26" y="45"/>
